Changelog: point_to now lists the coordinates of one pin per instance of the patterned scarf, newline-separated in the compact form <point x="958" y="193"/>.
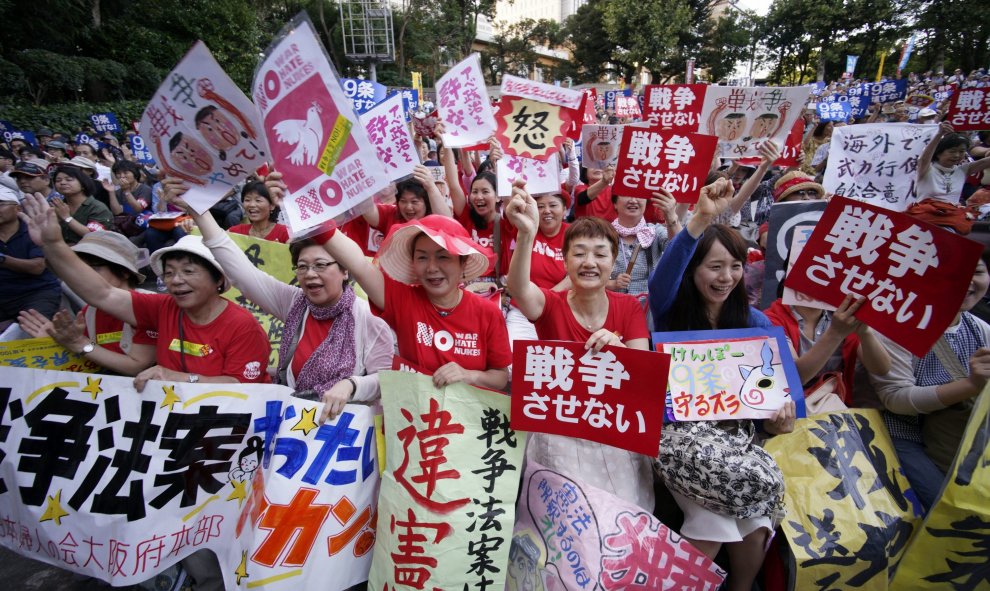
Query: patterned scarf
<point x="335" y="358"/>
<point x="642" y="231"/>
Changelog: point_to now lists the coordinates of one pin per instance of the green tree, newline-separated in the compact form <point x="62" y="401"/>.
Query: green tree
<point x="592" y="49"/>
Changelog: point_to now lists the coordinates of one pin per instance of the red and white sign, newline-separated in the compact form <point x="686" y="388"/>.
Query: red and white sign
<point x="590" y="115"/>
<point x="388" y="132"/>
<point x="534" y="118"/>
<point x="743" y="118"/>
<point x="600" y="145"/>
<point x="316" y="138"/>
<point x="674" y="106"/>
<point x="969" y="109"/>
<point x="789" y="154"/>
<point x="540" y="176"/>
<point x="627" y="106"/>
<point x="654" y="159"/>
<point x="613" y="397"/>
<point x="463" y="105"/>
<point x="914" y="275"/>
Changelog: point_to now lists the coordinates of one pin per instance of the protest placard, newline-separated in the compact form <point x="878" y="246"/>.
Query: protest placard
<point x="888" y="91"/>
<point x="202" y="129"/>
<point x="140" y="151"/>
<point x="389" y="134"/>
<point x="591" y="99"/>
<point x="609" y="99"/>
<point x="613" y="397"/>
<point x="43" y="353"/>
<point x="969" y="110"/>
<point x="674" y="106"/>
<point x="743" y="118"/>
<point x="425" y="125"/>
<point x="850" y="511"/>
<point x="876" y="162"/>
<point x="651" y="159"/>
<point x="111" y="483"/>
<point x="913" y="275"/>
<point x="627" y="106"/>
<point x="449" y="488"/>
<point x="410" y="101"/>
<point x="837" y="111"/>
<point x="20" y="134"/>
<point x="729" y="374"/>
<point x="363" y="94"/>
<point x="104" y="122"/>
<point x="600" y="145"/>
<point x="570" y="535"/>
<point x="785" y="220"/>
<point x="533" y="118"/>
<point x="794" y="298"/>
<point x="318" y="143"/>
<point x="463" y="105"/>
<point x="789" y="153"/>
<point x="540" y="176"/>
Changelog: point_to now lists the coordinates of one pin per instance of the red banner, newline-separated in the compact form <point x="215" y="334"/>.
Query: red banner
<point x="914" y="275"/>
<point x="613" y="397"/>
<point x="651" y="159"/>
<point x="626" y="106"/>
<point x="674" y="106"/>
<point x="969" y="109"/>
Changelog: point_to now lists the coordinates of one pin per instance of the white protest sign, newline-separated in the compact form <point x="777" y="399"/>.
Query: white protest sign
<point x="876" y="162"/>
<point x="389" y="133"/>
<point x="540" y="177"/>
<point x="600" y="145"/>
<point x="743" y="118"/>
<point x="317" y="140"/>
<point x="202" y="129"/>
<point x="463" y="105"/>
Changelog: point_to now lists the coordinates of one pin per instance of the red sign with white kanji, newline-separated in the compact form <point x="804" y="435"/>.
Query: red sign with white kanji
<point x="674" y="106"/>
<point x="626" y="106"/>
<point x="969" y="109"/>
<point x="613" y="397"/>
<point x="914" y="275"/>
<point x="654" y="159"/>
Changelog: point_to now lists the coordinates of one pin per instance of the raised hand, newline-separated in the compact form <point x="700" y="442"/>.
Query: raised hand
<point x="521" y="210"/>
<point x="41" y="219"/>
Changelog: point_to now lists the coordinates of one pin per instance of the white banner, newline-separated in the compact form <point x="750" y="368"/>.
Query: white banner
<point x="540" y="177"/>
<point x="541" y="92"/>
<point x="389" y="133"/>
<point x="600" y="145"/>
<point x="743" y="118"/>
<point x="463" y="105"/>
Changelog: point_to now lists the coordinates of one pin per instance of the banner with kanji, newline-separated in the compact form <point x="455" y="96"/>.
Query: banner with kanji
<point x="876" y="162"/>
<point x="140" y="151"/>
<point x="654" y="159"/>
<point x="613" y="397"/>
<point x="463" y="105"/>
<point x="600" y="145"/>
<point x="951" y="549"/>
<point x="719" y="375"/>
<point x="850" y="510"/>
<point x="104" y="122"/>
<point x="318" y="143"/>
<point x="43" y="353"/>
<point x="363" y="94"/>
<point x="448" y="492"/>
<point x="837" y="111"/>
<point x="674" y="106"/>
<point x="786" y="219"/>
<point x="118" y="485"/>
<point x="969" y="110"/>
<point x="743" y="118"/>
<point x="541" y="176"/>
<point x="888" y="91"/>
<point x="389" y="133"/>
<point x="534" y="118"/>
<point x="913" y="275"/>
<point x="627" y="106"/>
<point x="203" y="130"/>
<point x="569" y="535"/>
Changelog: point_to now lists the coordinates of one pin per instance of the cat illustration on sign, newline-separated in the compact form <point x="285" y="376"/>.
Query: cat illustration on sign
<point x="765" y="384"/>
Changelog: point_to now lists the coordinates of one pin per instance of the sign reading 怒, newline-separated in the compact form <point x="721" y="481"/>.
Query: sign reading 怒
<point x="654" y="159"/>
<point x="463" y="106"/>
<point x="534" y="118"/>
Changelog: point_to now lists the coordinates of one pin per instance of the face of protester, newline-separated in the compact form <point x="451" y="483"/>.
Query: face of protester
<point x="8" y="212"/>
<point x="411" y="207"/>
<point x="551" y="211"/>
<point x="483" y="198"/>
<point x="436" y="269"/>
<point x="258" y="208"/>
<point x="67" y="185"/>
<point x="802" y="195"/>
<point x="86" y="151"/>
<point x="103" y="269"/>
<point x="594" y="175"/>
<point x="589" y="262"/>
<point x="952" y="157"/>
<point x="717" y="275"/>
<point x="322" y="288"/>
<point x="126" y="180"/>
<point x="630" y="210"/>
<point x="32" y="184"/>
<point x="218" y="131"/>
<point x="190" y="156"/>
<point x="189" y="283"/>
<point x="977" y="287"/>
<point x="6" y="163"/>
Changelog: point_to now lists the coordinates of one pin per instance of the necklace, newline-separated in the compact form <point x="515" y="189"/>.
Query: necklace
<point x="445" y="312"/>
<point x="590" y="324"/>
<point x="262" y="233"/>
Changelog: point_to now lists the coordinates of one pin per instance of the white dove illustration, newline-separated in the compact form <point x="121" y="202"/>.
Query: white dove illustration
<point x="306" y="135"/>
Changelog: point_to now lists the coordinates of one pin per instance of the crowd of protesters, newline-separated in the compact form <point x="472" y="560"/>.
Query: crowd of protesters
<point x="583" y="263"/>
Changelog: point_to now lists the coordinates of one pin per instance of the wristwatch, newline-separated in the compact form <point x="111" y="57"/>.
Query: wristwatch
<point x="193" y="378"/>
<point x="87" y="348"/>
<point x="68" y="219"/>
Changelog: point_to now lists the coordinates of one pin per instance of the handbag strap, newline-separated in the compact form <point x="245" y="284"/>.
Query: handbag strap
<point x="947" y="357"/>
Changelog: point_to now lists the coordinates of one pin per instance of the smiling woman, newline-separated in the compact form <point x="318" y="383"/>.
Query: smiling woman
<point x="260" y="213"/>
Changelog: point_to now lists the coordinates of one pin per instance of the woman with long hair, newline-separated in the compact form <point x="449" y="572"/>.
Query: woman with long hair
<point x="78" y="210"/>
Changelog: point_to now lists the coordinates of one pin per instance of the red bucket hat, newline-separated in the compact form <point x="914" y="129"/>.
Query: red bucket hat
<point x="395" y="254"/>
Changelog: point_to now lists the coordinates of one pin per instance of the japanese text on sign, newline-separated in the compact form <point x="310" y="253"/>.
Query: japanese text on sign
<point x="389" y="133"/>
<point x="654" y="159"/>
<point x="463" y="106"/>
<point x="970" y="109"/>
<point x="674" y="106"/>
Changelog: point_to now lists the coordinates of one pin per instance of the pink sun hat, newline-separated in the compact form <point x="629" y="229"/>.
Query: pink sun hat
<point x="396" y="252"/>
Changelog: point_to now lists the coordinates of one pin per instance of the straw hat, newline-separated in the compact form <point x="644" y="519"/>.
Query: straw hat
<point x="114" y="248"/>
<point x="395" y="254"/>
<point x="795" y="181"/>
<point x="191" y="244"/>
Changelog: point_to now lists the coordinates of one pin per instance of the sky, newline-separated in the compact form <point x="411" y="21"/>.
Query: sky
<point x="760" y="6"/>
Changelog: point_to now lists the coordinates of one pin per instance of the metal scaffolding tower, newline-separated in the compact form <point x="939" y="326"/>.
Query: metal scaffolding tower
<point x="368" y="36"/>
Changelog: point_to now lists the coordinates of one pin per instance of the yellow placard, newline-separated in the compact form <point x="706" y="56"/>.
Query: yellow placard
<point x="335" y="144"/>
<point x="43" y="353"/>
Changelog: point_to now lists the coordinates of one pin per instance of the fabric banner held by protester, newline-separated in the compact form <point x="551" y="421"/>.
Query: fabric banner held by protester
<point x="202" y="130"/>
<point x="569" y="535"/>
<point x="533" y="118"/>
<point x="654" y="159"/>
<point x="969" y="110"/>
<point x="540" y="176"/>
<point x="389" y="134"/>
<point x="674" y="106"/>
<point x="111" y="483"/>
<point x="449" y="488"/>
<point x="913" y="275"/>
<point x="318" y="143"/>
<point x="742" y="118"/>
<point x="876" y="162"/>
<point x="850" y="511"/>
<point x="463" y="105"/>
<point x="613" y="397"/>
<point x="718" y="375"/>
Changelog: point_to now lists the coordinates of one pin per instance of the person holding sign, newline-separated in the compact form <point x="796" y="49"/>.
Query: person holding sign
<point x="944" y="165"/>
<point x="332" y="346"/>
<point x="698" y="286"/>
<point x="416" y="198"/>
<point x="640" y="243"/>
<point x="586" y="313"/>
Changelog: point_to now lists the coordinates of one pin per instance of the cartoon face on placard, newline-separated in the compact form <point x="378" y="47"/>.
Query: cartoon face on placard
<point x="731" y="127"/>
<point x="216" y="128"/>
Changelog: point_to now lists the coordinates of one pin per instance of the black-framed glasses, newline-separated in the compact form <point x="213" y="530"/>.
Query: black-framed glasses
<point x="318" y="267"/>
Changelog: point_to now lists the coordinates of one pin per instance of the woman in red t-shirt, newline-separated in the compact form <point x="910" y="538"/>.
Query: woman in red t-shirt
<point x="416" y="198"/>
<point x="589" y="314"/>
<point x="260" y="213"/>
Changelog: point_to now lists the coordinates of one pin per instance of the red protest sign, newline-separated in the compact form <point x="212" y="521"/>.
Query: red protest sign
<point x="613" y="397"/>
<point x="969" y="109"/>
<point x="674" y="106"/>
<point x="626" y="106"/>
<point x="651" y="159"/>
<point x="914" y="275"/>
<point x="590" y="102"/>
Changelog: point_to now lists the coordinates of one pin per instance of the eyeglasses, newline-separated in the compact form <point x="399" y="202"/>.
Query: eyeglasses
<point x="317" y="267"/>
<point x="806" y="193"/>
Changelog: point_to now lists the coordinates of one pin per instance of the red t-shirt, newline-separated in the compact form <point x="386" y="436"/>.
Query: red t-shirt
<point x="601" y="206"/>
<point x="473" y="334"/>
<point x="232" y="345"/>
<point x="278" y="233"/>
<point x="625" y="317"/>
<point x="486" y="238"/>
<point x="314" y="333"/>
<point x="109" y="331"/>
<point x="368" y="238"/>
<point x="388" y="216"/>
<point x="546" y="267"/>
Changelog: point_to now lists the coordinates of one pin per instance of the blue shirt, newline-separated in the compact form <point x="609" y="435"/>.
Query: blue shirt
<point x="14" y="284"/>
